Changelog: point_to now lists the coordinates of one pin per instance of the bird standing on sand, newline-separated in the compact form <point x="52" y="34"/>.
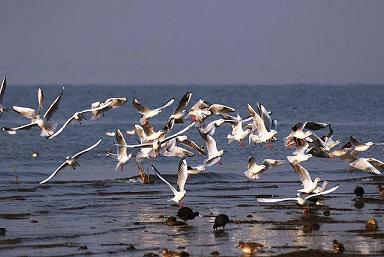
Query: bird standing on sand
<point x="338" y="247"/>
<point x="220" y="221"/>
<point x="186" y="213"/>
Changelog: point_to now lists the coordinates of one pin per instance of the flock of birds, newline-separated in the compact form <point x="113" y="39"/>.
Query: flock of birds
<point x="258" y="128"/>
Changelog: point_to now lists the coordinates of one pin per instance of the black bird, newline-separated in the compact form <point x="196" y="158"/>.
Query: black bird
<point x="359" y="191"/>
<point x="186" y="214"/>
<point x="220" y="221"/>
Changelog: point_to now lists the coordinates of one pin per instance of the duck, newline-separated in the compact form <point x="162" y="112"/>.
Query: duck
<point x="220" y="221"/>
<point x="249" y="247"/>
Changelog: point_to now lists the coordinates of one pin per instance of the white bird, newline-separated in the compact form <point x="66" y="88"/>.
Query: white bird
<point x="238" y="133"/>
<point x="182" y="176"/>
<point x="361" y="147"/>
<point x="259" y="134"/>
<point x="155" y="146"/>
<point x="197" y="169"/>
<point x="2" y="92"/>
<point x="178" y="113"/>
<point x="42" y="122"/>
<point x="305" y="178"/>
<point x="199" y="111"/>
<point x="99" y="108"/>
<point x="370" y="165"/>
<point x="71" y="161"/>
<point x="211" y="127"/>
<point x="321" y="188"/>
<point x="301" y="153"/>
<point x="302" y="199"/>
<point x="122" y="155"/>
<point x="149" y="113"/>
<point x="214" y="156"/>
<point x="254" y="170"/>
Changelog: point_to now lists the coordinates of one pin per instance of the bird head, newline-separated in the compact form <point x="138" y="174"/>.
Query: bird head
<point x="317" y="180"/>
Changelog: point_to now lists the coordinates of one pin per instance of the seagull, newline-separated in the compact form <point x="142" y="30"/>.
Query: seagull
<point x="202" y="109"/>
<point x="42" y="122"/>
<point x="238" y="133"/>
<point x="298" y="133"/>
<point x="259" y="134"/>
<point x="214" y="156"/>
<point x="179" y="112"/>
<point x="370" y="165"/>
<point x="305" y="178"/>
<point x="211" y="127"/>
<point x="199" y="111"/>
<point x="122" y="156"/>
<point x="171" y="149"/>
<point x="2" y="91"/>
<point x="149" y="113"/>
<point x="302" y="152"/>
<point x="361" y="147"/>
<point x="98" y="108"/>
<point x="254" y="171"/>
<point x="182" y="176"/>
<point x="197" y="169"/>
<point x="71" y="161"/>
<point x="321" y="188"/>
<point x="328" y="139"/>
<point x="302" y="199"/>
<point x="155" y="146"/>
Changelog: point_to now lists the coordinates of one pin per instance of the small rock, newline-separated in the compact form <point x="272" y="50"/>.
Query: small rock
<point x="34" y="221"/>
<point x="136" y="223"/>
<point x="181" y="247"/>
<point x="184" y="254"/>
<point x="131" y="247"/>
<point x="83" y="247"/>
<point x="327" y="213"/>
<point x="372" y="224"/>
<point x="3" y="231"/>
<point x="215" y="253"/>
<point x="150" y="255"/>
<point x="161" y="217"/>
<point x="249" y="216"/>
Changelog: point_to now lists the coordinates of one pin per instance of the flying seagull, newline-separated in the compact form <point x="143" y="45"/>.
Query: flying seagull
<point x="71" y="161"/>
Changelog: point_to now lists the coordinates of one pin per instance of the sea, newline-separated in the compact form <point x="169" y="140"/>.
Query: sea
<point x="95" y="210"/>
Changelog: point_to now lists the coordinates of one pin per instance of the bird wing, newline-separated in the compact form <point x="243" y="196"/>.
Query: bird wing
<point x="219" y="109"/>
<point x="304" y="176"/>
<point x="182" y="174"/>
<point x="115" y="102"/>
<point x="166" y="104"/>
<point x="25" y="112"/>
<point x="40" y="99"/>
<point x="211" y="143"/>
<point x="64" y="164"/>
<point x="139" y="107"/>
<point x="179" y="133"/>
<point x="121" y="149"/>
<point x="275" y="200"/>
<point x="264" y="114"/>
<point x="183" y="103"/>
<point x="192" y="145"/>
<point x="62" y="128"/>
<point x="54" y="106"/>
<point x="322" y="193"/>
<point x="23" y="127"/>
<point x="258" y="122"/>
<point x="174" y="191"/>
<point x="3" y="87"/>
<point x="376" y="163"/>
<point x="312" y="125"/>
<point x="251" y="162"/>
<point x="273" y="162"/>
<point x="148" y="129"/>
<point x="86" y="150"/>
<point x="200" y="105"/>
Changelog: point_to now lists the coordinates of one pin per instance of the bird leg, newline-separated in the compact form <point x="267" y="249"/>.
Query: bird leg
<point x="269" y="145"/>
<point x="241" y="144"/>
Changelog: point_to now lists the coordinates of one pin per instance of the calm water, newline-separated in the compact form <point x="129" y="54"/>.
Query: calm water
<point x="98" y="207"/>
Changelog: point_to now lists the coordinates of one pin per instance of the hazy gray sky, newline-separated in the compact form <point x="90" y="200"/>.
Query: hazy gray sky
<point x="200" y="41"/>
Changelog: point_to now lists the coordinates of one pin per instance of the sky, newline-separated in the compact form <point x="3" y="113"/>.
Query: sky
<point x="192" y="42"/>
